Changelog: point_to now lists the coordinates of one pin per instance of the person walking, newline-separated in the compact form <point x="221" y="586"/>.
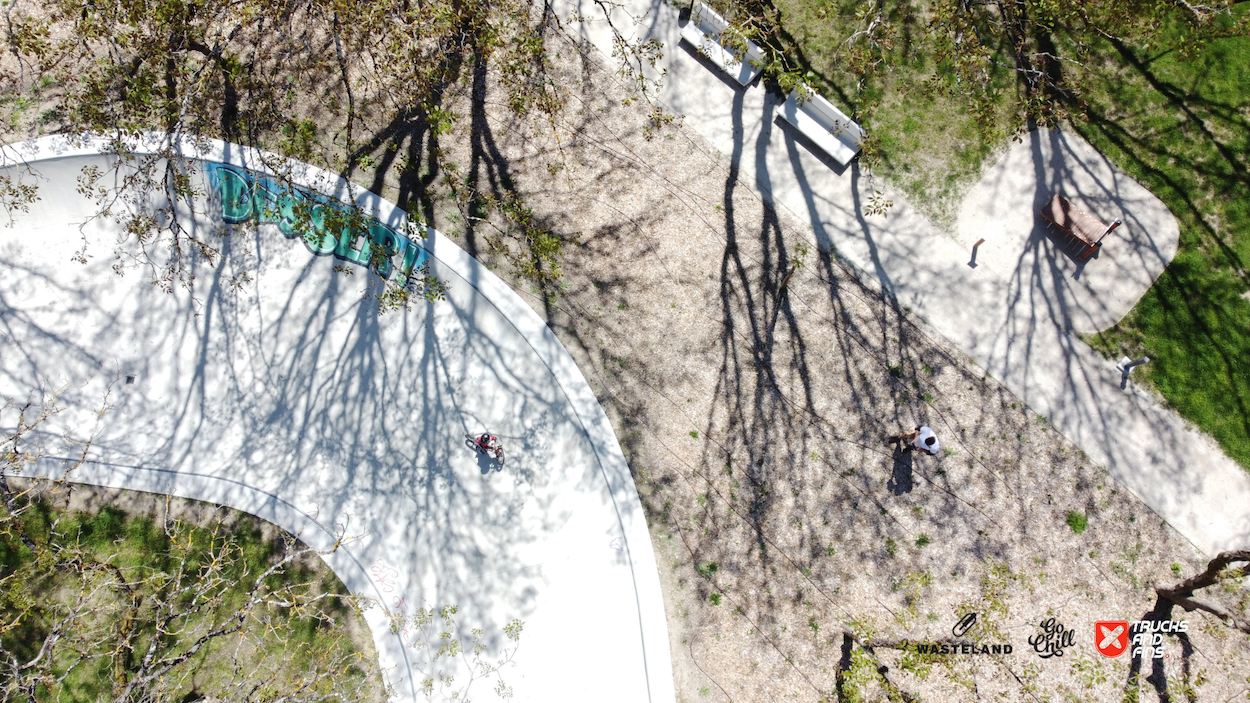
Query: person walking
<point x="922" y="439"/>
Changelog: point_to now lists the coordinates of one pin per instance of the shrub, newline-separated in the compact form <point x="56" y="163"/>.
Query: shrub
<point x="1077" y="521"/>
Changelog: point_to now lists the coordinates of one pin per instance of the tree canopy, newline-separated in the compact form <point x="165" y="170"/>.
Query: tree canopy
<point x="358" y="88"/>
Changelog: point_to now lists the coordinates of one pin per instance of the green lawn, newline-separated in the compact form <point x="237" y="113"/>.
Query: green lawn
<point x="1173" y="113"/>
<point x="129" y="586"/>
<point x="1177" y="118"/>
<point x="922" y="137"/>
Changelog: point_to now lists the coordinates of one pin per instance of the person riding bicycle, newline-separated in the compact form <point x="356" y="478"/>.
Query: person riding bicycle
<point x="488" y="442"/>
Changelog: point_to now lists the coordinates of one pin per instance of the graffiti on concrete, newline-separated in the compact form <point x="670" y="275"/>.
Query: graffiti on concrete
<point x="386" y="577"/>
<point x="326" y="226"/>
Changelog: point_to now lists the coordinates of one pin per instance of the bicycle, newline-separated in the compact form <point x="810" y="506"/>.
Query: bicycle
<point x="487" y="444"/>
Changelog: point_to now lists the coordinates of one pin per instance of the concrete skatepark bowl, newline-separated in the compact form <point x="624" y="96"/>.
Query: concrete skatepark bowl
<point x="275" y="387"/>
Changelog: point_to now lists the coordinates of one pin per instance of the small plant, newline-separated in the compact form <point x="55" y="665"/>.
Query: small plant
<point x="702" y="499"/>
<point x="922" y="541"/>
<point x="891" y="547"/>
<point x="896" y="371"/>
<point x="706" y="570"/>
<point x="1077" y="521"/>
<point x="704" y="691"/>
<point x="1176" y="569"/>
<point x="830" y="551"/>
<point x="714" y="598"/>
<point x="1090" y="672"/>
<point x="927" y="397"/>
<point x="694" y="433"/>
<point x="811" y="622"/>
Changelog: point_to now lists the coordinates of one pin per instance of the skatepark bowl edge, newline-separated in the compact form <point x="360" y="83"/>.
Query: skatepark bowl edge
<point x="276" y="387"/>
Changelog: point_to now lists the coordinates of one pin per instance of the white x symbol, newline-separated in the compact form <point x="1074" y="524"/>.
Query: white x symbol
<point x="1109" y="636"/>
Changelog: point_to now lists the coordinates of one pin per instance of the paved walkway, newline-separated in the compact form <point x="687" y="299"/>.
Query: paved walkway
<point x="1015" y="312"/>
<point x="284" y="396"/>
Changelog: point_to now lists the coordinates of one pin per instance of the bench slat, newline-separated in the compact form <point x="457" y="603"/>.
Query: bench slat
<point x="825" y="125"/>
<point x="703" y="31"/>
<point x="1073" y="220"/>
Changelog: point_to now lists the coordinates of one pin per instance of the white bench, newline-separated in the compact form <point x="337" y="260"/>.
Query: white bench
<point x="824" y="124"/>
<point x="703" y="31"/>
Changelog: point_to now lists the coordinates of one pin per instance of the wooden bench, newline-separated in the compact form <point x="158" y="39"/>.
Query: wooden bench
<point x="828" y="128"/>
<point x="703" y="32"/>
<point x="1083" y="227"/>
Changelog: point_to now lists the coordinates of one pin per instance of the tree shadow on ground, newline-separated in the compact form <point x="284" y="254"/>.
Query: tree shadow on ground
<point x="1178" y="126"/>
<point x="753" y="385"/>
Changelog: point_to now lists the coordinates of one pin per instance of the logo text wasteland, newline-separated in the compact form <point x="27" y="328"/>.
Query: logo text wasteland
<point x="963" y="648"/>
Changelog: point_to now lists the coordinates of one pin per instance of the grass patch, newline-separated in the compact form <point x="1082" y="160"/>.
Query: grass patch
<point x="125" y="574"/>
<point x="1077" y="521"/>
<point x="1173" y="111"/>
<point x="1178" y="123"/>
<point x="927" y="143"/>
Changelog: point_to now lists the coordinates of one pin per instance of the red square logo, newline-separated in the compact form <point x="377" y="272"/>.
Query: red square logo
<point x="1111" y="637"/>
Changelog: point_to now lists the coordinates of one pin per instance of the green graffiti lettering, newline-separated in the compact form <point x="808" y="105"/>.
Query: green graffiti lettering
<point x="353" y="246"/>
<point x="326" y="227"/>
<point x="317" y="237"/>
<point x="236" y="195"/>
<point x="386" y="245"/>
<point x="414" y="258"/>
<point x="268" y="207"/>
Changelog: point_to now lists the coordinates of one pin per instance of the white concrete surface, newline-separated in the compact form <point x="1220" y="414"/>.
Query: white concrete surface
<point x="1015" y="315"/>
<point x="1094" y="292"/>
<point x="284" y="395"/>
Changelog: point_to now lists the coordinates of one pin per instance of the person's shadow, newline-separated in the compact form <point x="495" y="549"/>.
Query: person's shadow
<point x="901" y="480"/>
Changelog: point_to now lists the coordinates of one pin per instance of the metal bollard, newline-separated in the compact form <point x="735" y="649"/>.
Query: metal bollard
<point x="1126" y="366"/>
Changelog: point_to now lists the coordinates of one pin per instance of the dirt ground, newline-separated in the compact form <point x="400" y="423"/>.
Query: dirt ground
<point x="752" y="379"/>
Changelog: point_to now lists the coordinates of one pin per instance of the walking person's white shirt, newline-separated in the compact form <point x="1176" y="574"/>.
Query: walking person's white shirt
<point x="919" y="442"/>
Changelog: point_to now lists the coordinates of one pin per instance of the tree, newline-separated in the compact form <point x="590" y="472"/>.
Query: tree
<point x="349" y="86"/>
<point x="111" y="607"/>
<point x="1043" y="44"/>
<point x="1221" y="571"/>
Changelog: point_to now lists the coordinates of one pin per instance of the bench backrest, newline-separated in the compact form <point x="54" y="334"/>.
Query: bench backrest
<point x="833" y="119"/>
<point x="712" y="24"/>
